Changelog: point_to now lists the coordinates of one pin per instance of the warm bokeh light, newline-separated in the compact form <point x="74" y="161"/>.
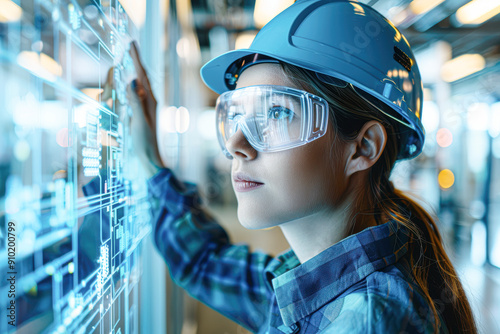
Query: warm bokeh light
<point x="93" y="93"/>
<point x="244" y="40"/>
<point x="50" y="64"/>
<point x="188" y="49"/>
<point x="478" y="11"/>
<point x="462" y="66"/>
<point x="41" y="65"/>
<point x="428" y="95"/>
<point x="444" y="137"/>
<point x="266" y="10"/>
<point x="446" y="178"/>
<point x="398" y="14"/>
<point x="423" y="6"/>
<point x="9" y="11"/>
<point x="183" y="47"/>
<point x="136" y="10"/>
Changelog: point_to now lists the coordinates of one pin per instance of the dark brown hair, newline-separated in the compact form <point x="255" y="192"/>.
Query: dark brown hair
<point x="430" y="266"/>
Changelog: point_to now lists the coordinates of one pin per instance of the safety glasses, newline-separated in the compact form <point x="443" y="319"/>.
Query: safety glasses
<point x="272" y="118"/>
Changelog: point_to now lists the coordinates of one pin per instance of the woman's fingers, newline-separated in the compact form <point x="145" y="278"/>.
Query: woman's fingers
<point x="145" y="122"/>
<point x="142" y="85"/>
<point x="141" y="72"/>
<point x="144" y="129"/>
<point x="142" y="88"/>
<point x="147" y="105"/>
<point x="108" y="85"/>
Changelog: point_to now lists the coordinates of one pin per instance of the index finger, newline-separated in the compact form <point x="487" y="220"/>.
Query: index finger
<point x="109" y="84"/>
<point x="141" y="72"/>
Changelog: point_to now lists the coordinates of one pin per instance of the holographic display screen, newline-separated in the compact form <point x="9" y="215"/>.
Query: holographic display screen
<point x="73" y="202"/>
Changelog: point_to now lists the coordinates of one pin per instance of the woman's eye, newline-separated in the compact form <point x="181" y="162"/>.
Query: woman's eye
<point x="279" y="112"/>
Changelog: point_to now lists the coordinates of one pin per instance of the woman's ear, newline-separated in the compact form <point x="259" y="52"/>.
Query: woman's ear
<point x="366" y="148"/>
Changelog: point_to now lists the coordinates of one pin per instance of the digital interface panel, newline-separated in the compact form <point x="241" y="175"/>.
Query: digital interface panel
<point x="73" y="203"/>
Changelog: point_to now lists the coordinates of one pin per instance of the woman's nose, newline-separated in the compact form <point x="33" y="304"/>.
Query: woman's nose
<point x="238" y="146"/>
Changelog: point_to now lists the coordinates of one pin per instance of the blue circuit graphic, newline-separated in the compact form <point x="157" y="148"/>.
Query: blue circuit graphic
<point x="70" y="183"/>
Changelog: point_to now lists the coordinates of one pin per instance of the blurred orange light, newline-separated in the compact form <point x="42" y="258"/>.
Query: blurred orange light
<point x="423" y="6"/>
<point x="93" y="93"/>
<point x="428" y="95"/>
<point x="397" y="16"/>
<point x="462" y="66"/>
<point x="136" y="10"/>
<point x="244" y="40"/>
<point x="41" y="64"/>
<point x="183" y="47"/>
<point x="446" y="178"/>
<point x="444" y="137"/>
<point x="478" y="11"/>
<point x="265" y="11"/>
<point x="10" y="11"/>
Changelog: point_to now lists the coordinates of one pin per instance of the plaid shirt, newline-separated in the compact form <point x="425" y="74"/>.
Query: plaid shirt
<point x="361" y="284"/>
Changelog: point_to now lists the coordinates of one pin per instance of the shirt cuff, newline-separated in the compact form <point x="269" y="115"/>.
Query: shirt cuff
<point x="175" y="195"/>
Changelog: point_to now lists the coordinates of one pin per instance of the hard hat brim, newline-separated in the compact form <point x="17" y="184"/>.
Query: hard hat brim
<point x="212" y="73"/>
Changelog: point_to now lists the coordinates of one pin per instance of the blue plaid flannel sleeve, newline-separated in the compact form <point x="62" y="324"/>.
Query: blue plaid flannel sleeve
<point x="201" y="258"/>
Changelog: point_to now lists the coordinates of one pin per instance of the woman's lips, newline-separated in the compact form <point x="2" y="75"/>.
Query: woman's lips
<point x="243" y="186"/>
<point x="245" y="182"/>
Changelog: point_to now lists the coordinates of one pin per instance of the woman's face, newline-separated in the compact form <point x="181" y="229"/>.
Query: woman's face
<point x="296" y="183"/>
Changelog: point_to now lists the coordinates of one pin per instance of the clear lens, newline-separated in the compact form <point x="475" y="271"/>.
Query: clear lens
<point x="272" y="118"/>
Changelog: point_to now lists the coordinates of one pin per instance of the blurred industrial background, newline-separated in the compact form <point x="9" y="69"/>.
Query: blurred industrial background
<point x="456" y="178"/>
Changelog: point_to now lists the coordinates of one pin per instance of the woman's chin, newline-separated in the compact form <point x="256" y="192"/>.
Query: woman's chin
<point x="252" y="221"/>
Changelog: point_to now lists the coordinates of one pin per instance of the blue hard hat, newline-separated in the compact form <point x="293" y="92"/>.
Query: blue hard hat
<point x="340" y="39"/>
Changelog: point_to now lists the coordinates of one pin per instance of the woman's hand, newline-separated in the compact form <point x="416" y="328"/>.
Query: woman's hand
<point x="143" y="123"/>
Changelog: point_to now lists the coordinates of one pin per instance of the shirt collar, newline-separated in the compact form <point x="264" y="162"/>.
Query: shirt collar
<point x="302" y="289"/>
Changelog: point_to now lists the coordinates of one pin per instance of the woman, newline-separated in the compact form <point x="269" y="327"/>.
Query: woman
<point x="314" y="116"/>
